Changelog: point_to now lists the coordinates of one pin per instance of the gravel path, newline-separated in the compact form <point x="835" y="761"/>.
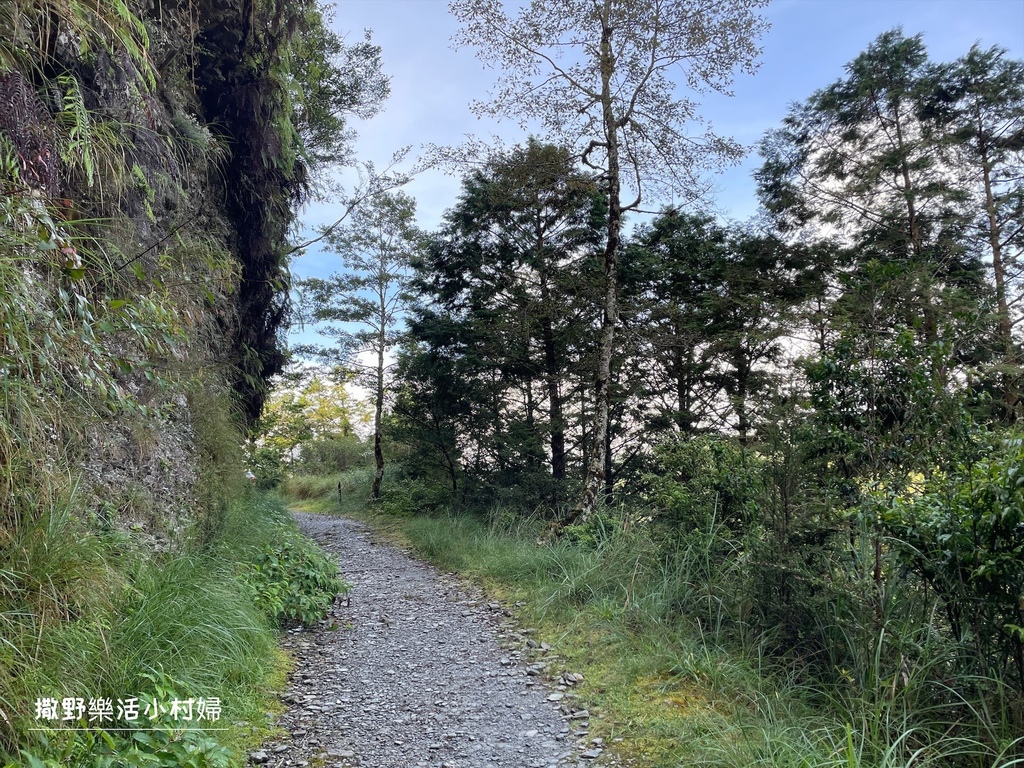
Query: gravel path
<point x="413" y="671"/>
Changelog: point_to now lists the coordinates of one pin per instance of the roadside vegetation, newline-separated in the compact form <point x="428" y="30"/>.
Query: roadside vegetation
<point x="94" y="615"/>
<point x="142" y="289"/>
<point x="760" y="483"/>
<point x="668" y="630"/>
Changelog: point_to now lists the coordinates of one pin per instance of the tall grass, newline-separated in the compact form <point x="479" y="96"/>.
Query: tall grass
<point x="91" y="615"/>
<point x="188" y="618"/>
<point x="319" y="493"/>
<point x="662" y="628"/>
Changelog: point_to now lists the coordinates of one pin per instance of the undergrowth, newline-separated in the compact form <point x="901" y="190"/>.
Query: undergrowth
<point x="287" y="576"/>
<point x="315" y="493"/>
<point x="657" y="626"/>
<point x="119" y="336"/>
<point x="93" y="616"/>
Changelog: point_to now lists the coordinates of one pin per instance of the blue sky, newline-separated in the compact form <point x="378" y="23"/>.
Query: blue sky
<point x="806" y="48"/>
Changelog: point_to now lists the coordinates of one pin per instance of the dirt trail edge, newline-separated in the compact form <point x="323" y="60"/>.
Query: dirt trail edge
<point x="410" y="672"/>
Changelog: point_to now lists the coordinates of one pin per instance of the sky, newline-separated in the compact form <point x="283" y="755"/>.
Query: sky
<point x="806" y="48"/>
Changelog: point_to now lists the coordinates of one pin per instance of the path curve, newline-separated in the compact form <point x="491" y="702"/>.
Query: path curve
<point x="411" y="672"/>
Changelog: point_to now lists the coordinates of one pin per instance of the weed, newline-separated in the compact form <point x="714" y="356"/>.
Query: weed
<point x="317" y="493"/>
<point x="293" y="582"/>
<point x="93" y="615"/>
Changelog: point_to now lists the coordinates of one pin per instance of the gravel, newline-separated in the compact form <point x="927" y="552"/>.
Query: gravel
<point x="416" y="669"/>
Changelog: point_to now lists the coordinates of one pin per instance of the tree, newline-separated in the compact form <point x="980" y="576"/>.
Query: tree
<point x="858" y="158"/>
<point x="866" y="162"/>
<point x="551" y="214"/>
<point x="427" y="416"/>
<point x="978" y="106"/>
<point x="712" y="303"/>
<point x="316" y="409"/>
<point x="751" y="308"/>
<point x="375" y="249"/>
<point x="597" y="73"/>
<point x="504" y="288"/>
<point x="664" y="278"/>
<point x="339" y="81"/>
<point x="916" y="169"/>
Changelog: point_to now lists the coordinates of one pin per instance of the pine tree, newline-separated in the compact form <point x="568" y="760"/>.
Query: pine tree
<point x="504" y="289"/>
<point x="977" y="107"/>
<point x="859" y="162"/>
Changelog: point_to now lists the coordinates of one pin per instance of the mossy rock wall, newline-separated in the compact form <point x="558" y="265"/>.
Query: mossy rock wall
<point x="142" y="242"/>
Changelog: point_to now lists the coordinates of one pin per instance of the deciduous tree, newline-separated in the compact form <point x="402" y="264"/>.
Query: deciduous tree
<point x="314" y="409"/>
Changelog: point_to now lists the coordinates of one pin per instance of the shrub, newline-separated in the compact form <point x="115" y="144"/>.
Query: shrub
<point x="697" y="479"/>
<point x="964" y="536"/>
<point x="156" y="748"/>
<point x="337" y="453"/>
<point x="294" y="582"/>
<point x="267" y="468"/>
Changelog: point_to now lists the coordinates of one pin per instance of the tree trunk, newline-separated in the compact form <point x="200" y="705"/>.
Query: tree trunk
<point x="1011" y="396"/>
<point x="742" y="369"/>
<point x="557" y="421"/>
<point x="593" y="482"/>
<point x="378" y="412"/>
<point x="609" y="476"/>
<point x="930" y="313"/>
<point x="683" y="364"/>
<point x="535" y="452"/>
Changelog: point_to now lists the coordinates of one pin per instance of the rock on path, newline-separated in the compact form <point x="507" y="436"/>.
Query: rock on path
<point x="410" y="672"/>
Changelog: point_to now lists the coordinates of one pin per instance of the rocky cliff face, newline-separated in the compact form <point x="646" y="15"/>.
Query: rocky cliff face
<point x="149" y="165"/>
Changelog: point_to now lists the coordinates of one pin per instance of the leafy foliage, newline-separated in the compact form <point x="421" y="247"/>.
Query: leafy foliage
<point x="301" y="420"/>
<point x="807" y="454"/>
<point x="711" y="306"/>
<point x="965" y="536"/>
<point x="118" y="278"/>
<point x="596" y="76"/>
<point x="706" y="478"/>
<point x="87" y="611"/>
<point x="294" y="582"/>
<point x="368" y="299"/>
<point x="159" y="746"/>
<point x="338" y="81"/>
<point x="507" y="293"/>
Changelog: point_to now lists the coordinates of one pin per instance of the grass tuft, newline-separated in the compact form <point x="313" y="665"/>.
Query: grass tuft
<point x="113" y="620"/>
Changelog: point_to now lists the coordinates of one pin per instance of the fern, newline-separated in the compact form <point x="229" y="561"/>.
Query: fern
<point x="30" y="132"/>
<point x="79" y="149"/>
